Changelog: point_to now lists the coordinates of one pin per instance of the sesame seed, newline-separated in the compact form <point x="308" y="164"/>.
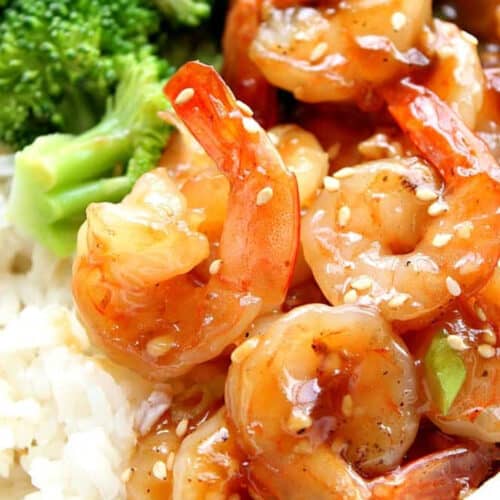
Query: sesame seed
<point x="244" y="108"/>
<point x="398" y="20"/>
<point x="344" y="172"/>
<point x="159" y="346"/>
<point x="159" y="470"/>
<point x="438" y="208"/>
<point x="457" y="343"/>
<point x="331" y="184"/>
<point x="464" y="230"/>
<point x="426" y="194"/>
<point x="362" y="283"/>
<point x="489" y="336"/>
<point x="234" y="496"/>
<point x="318" y="52"/>
<point x="184" y="95"/>
<point x="486" y="351"/>
<point x="334" y="150"/>
<point x="398" y="300"/>
<point x="298" y="421"/>
<point x="498" y="263"/>
<point x="441" y="239"/>
<point x="170" y="460"/>
<point x="344" y="216"/>
<point x="243" y="350"/>
<point x="273" y="138"/>
<point x="250" y="125"/>
<point x="181" y="428"/>
<point x="126" y="475"/>
<point x="350" y="297"/>
<point x="346" y="405"/>
<point x="264" y="196"/>
<point x="480" y="313"/>
<point x="215" y="266"/>
<point x="453" y="286"/>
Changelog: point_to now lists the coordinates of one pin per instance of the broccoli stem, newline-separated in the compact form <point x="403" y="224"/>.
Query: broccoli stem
<point x="73" y="201"/>
<point x="59" y="160"/>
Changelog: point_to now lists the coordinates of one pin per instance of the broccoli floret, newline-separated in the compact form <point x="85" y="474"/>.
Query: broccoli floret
<point x="58" y="175"/>
<point x="187" y="12"/>
<point x="58" y="61"/>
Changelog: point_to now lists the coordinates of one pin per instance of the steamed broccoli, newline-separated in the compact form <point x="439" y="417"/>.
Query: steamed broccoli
<point x="58" y="61"/>
<point x="187" y="12"/>
<point x="58" y="175"/>
<point x="89" y="72"/>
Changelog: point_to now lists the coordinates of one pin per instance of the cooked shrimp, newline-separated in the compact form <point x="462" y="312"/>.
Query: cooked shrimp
<point x="132" y="280"/>
<point x="322" y="390"/>
<point x="391" y="235"/>
<point x="457" y="76"/>
<point x="196" y="175"/>
<point x="338" y="53"/>
<point x="194" y="398"/>
<point x="475" y="411"/>
<point x="241" y="74"/>
<point x="446" y="474"/>
<point x="303" y="155"/>
<point x="488" y="123"/>
<point x="487" y="299"/>
<point x="207" y="464"/>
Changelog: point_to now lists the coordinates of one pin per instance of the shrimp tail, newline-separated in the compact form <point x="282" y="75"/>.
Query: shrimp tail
<point x="239" y="71"/>
<point x="439" y="133"/>
<point x="264" y="192"/>
<point x="443" y="474"/>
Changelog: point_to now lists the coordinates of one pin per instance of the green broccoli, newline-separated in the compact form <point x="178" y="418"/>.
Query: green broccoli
<point x="187" y="12"/>
<point x="58" y="175"/>
<point x="58" y="61"/>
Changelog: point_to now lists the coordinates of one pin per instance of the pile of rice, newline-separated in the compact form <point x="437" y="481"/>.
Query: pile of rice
<point x="66" y="414"/>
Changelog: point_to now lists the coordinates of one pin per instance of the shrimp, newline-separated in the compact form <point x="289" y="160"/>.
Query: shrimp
<point x="450" y="473"/>
<point x="194" y="399"/>
<point x="241" y="74"/>
<point x="488" y="123"/>
<point x="321" y="390"/>
<point x="391" y="235"/>
<point x="341" y="52"/>
<point x="304" y="156"/>
<point x="207" y="464"/>
<point x="457" y="76"/>
<point x="132" y="281"/>
<point x="475" y="411"/>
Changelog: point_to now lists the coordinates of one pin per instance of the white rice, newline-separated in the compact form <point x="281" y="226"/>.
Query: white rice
<point x="66" y="413"/>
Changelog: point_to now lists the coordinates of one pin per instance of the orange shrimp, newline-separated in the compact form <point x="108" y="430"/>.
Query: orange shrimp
<point x="475" y="411"/>
<point x="384" y="231"/>
<point x="448" y="474"/>
<point x="239" y="71"/>
<point x="132" y="281"/>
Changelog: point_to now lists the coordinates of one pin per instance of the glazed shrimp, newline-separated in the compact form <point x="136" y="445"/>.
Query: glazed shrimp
<point x="132" y="281"/>
<point x="449" y="474"/>
<point x="241" y="74"/>
<point x="192" y="400"/>
<point x="338" y="53"/>
<point x="457" y="75"/>
<point x="321" y="391"/>
<point x="391" y="235"/>
<point x="475" y="411"/>
<point x="207" y="464"/>
<point x="304" y="156"/>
